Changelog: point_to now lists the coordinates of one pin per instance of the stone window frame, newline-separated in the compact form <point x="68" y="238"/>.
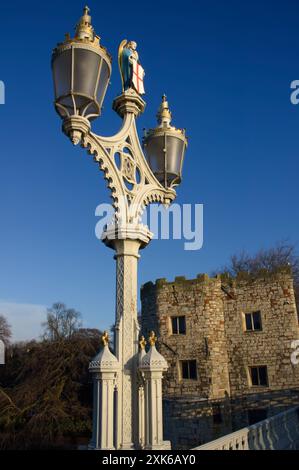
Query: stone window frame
<point x="249" y="378"/>
<point x="251" y="311"/>
<point x="180" y="370"/>
<point x="170" y="330"/>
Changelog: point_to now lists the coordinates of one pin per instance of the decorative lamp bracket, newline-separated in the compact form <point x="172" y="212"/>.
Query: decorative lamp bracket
<point x="132" y="183"/>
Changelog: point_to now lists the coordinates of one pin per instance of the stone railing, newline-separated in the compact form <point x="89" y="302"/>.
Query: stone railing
<point x="279" y="432"/>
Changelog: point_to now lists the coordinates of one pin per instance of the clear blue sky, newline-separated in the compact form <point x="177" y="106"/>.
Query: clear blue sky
<point x="226" y="67"/>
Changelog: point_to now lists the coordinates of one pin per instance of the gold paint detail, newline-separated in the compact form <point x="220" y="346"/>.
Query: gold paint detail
<point x="152" y="338"/>
<point x="142" y="342"/>
<point x="85" y="37"/>
<point x="84" y="29"/>
<point x="120" y="50"/>
<point x="164" y="114"/>
<point x="105" y="338"/>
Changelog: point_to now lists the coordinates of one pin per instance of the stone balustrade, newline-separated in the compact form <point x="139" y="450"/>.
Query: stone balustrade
<point x="280" y="432"/>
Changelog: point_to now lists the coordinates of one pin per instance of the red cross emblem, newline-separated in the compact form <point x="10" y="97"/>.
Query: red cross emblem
<point x="138" y="74"/>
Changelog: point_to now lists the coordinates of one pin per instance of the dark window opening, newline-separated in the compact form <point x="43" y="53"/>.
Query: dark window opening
<point x="259" y="376"/>
<point x="189" y="370"/>
<point x="248" y="322"/>
<point x="253" y="321"/>
<point x="178" y="325"/>
<point x="256" y="318"/>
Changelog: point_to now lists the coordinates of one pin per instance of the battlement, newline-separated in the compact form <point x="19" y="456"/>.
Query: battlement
<point x="242" y="279"/>
<point x="181" y="281"/>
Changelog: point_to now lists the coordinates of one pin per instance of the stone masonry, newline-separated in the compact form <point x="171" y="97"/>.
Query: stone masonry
<point x="221" y="398"/>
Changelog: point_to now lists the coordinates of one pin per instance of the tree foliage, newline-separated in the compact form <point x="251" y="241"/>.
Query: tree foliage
<point x="281" y="257"/>
<point x="45" y="392"/>
<point x="61" y="323"/>
<point x="272" y="260"/>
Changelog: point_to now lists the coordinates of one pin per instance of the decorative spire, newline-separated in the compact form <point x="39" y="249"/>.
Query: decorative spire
<point x="152" y="338"/>
<point x="142" y="343"/>
<point x="84" y="29"/>
<point x="105" y="338"/>
<point x="164" y="114"/>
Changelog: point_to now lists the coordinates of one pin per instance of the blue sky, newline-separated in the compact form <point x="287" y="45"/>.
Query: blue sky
<point x="226" y="67"/>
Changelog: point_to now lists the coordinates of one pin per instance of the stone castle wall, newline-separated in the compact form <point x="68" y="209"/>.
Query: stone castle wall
<point x="272" y="345"/>
<point x="221" y="398"/>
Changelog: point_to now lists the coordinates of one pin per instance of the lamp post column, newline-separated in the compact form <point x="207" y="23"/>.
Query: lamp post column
<point x="127" y="331"/>
<point x="81" y="71"/>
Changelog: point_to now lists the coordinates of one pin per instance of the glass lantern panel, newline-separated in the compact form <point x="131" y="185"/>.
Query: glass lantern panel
<point x="103" y="82"/>
<point x="85" y="104"/>
<point x="67" y="102"/>
<point x="86" y="68"/>
<point x="175" y="154"/>
<point x="62" y="68"/>
<point x="155" y="156"/>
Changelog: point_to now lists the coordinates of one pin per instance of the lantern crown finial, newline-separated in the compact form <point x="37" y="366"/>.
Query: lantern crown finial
<point x="84" y="29"/>
<point x="164" y="115"/>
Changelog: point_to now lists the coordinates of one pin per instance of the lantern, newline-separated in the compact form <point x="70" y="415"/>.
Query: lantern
<point x="164" y="148"/>
<point x="81" y="72"/>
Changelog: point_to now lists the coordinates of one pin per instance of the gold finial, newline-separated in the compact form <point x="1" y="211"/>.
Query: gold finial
<point x="142" y="342"/>
<point x="105" y="338"/>
<point x="152" y="338"/>
<point x="164" y="114"/>
<point x="84" y="29"/>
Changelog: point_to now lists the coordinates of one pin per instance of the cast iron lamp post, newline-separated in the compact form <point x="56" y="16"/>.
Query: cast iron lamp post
<point x="127" y="385"/>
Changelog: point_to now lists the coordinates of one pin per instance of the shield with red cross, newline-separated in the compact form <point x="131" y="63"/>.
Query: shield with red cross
<point x="138" y="74"/>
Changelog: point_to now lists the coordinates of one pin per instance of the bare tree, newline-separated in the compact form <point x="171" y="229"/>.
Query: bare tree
<point x="5" y="330"/>
<point x="46" y="392"/>
<point x="61" y="323"/>
<point x="280" y="257"/>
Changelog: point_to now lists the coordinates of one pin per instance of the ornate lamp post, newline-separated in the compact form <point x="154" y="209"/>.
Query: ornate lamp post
<point x="81" y="72"/>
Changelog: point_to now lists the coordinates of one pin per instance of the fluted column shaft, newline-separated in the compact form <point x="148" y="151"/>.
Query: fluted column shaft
<point x="126" y="341"/>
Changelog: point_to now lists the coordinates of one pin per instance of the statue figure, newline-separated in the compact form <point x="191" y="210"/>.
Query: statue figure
<point x="152" y="338"/>
<point x="142" y="342"/>
<point x="105" y="338"/>
<point x="131" y="72"/>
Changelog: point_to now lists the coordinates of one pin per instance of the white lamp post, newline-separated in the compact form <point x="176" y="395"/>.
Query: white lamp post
<point x="81" y="72"/>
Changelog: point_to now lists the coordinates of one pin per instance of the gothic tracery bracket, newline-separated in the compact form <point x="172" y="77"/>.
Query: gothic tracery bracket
<point x="132" y="183"/>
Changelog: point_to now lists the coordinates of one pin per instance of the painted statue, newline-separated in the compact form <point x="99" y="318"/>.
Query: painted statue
<point x="132" y="73"/>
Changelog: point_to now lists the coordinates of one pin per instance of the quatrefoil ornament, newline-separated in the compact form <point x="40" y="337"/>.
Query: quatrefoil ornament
<point x="128" y="168"/>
